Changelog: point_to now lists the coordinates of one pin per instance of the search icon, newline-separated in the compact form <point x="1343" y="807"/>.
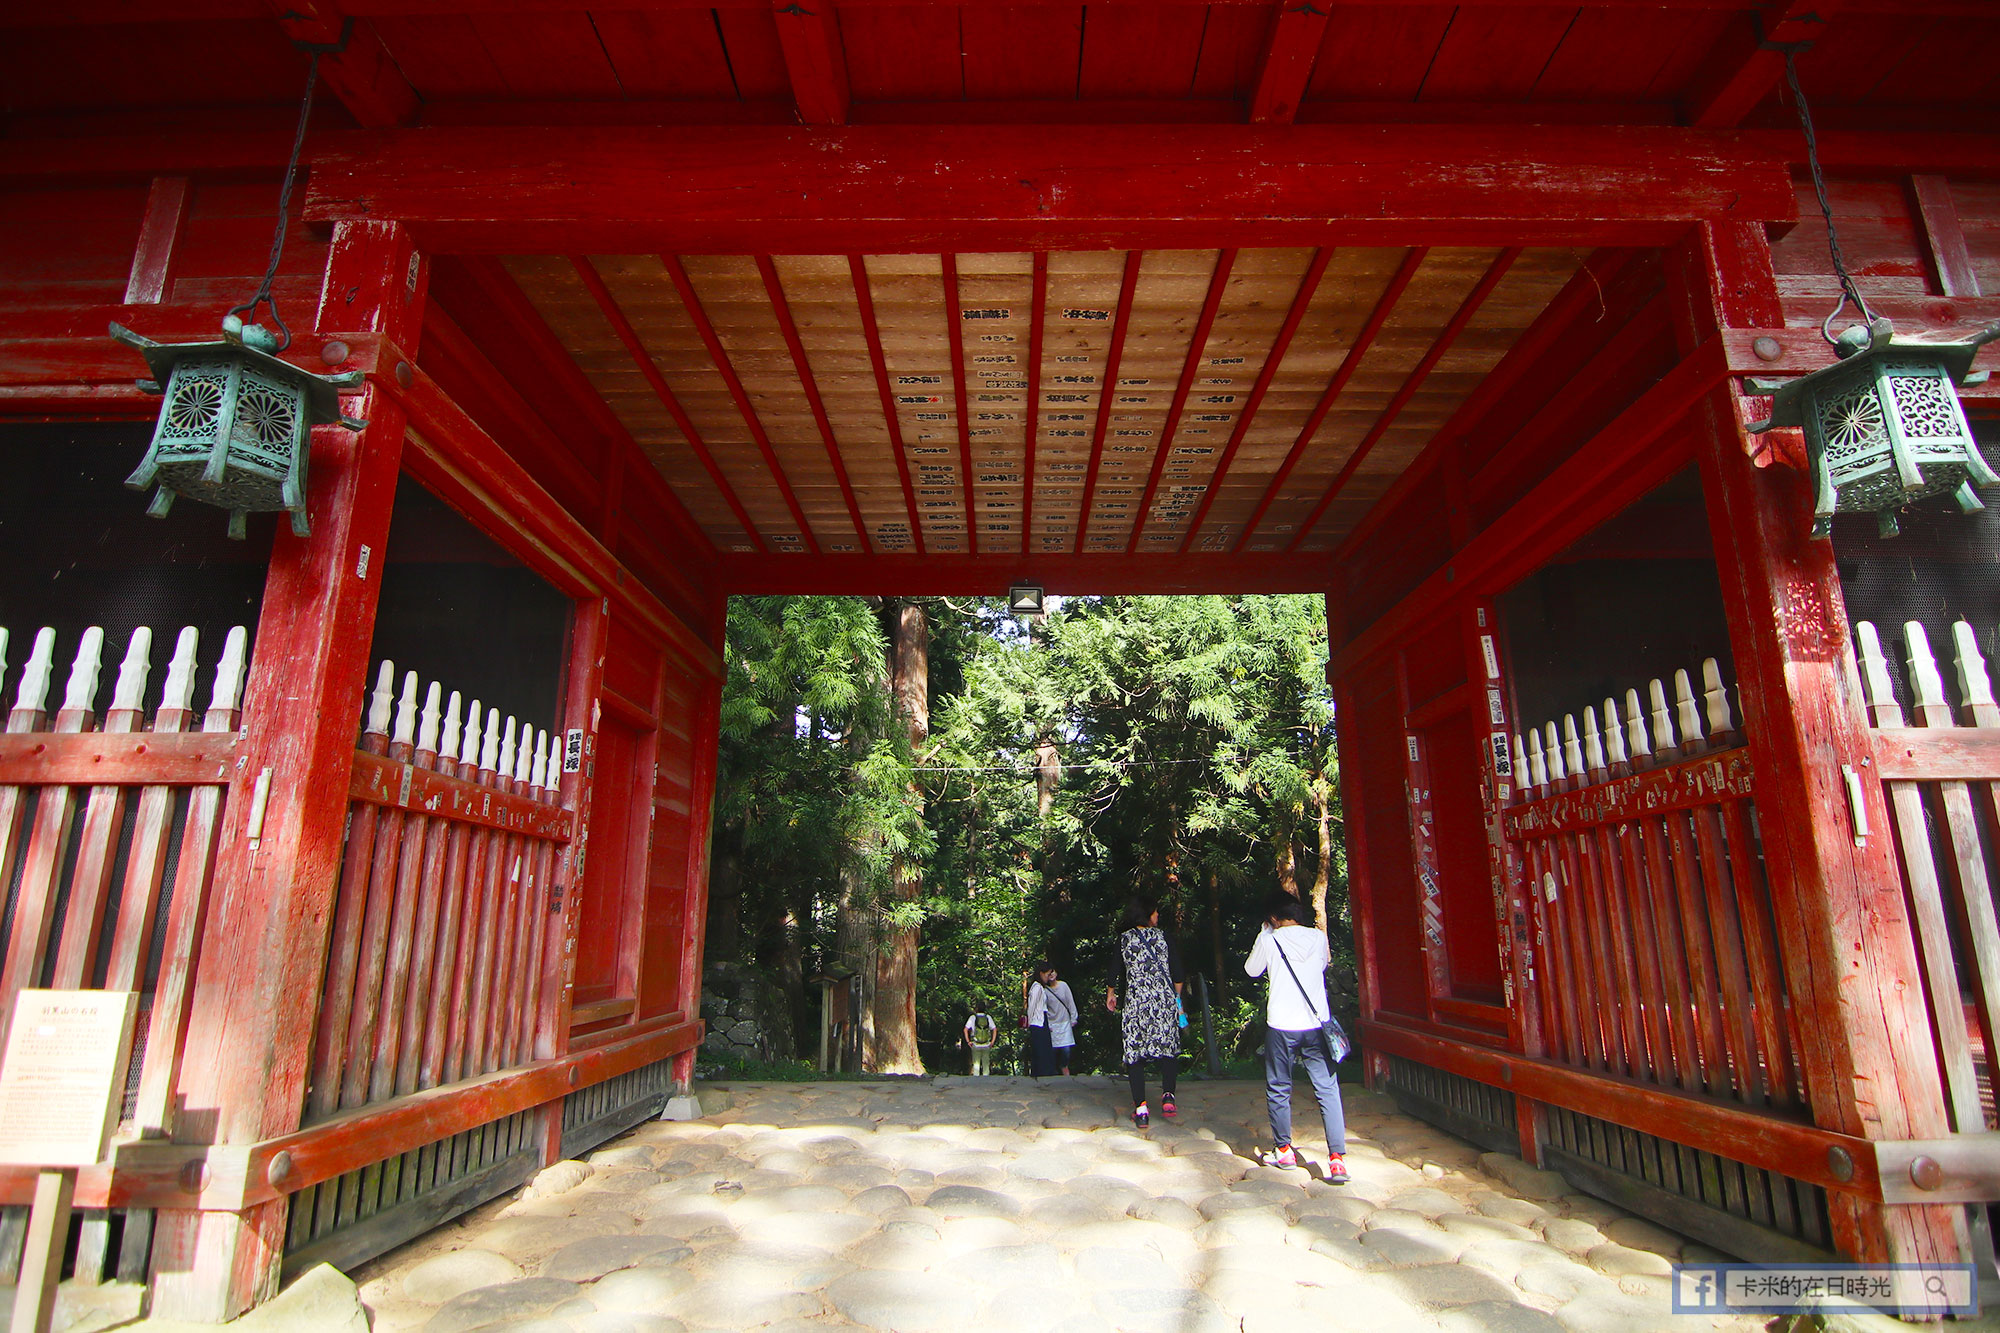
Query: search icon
<point x="1934" y="1286"/>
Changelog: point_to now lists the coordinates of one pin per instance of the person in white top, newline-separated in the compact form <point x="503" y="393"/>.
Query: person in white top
<point x="1051" y="1014"/>
<point x="1295" y="956"/>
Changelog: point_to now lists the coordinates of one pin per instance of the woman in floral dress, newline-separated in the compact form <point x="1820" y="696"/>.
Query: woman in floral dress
<point x="1150" y="1016"/>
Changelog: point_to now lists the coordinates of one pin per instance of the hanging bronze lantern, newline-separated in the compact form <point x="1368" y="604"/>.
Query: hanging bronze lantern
<point x="1883" y="425"/>
<point x="236" y="425"/>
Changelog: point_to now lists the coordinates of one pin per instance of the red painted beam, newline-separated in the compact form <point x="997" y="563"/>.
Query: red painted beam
<point x="643" y="361"/>
<point x="1031" y="419"/>
<point x="955" y="336"/>
<point x="1107" y="389"/>
<point x="1218" y="282"/>
<point x="914" y="188"/>
<point x="800" y="363"/>
<point x="362" y="73"/>
<point x="1279" y="346"/>
<point x="1290" y="53"/>
<point x="857" y="269"/>
<point x="1350" y="363"/>
<point x="1745" y="65"/>
<point x="1466" y="310"/>
<point x="990" y="575"/>
<point x="809" y="35"/>
<point x="521" y="325"/>
<point x="720" y="356"/>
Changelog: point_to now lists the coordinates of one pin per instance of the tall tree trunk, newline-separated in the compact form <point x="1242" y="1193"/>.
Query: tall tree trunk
<point x="894" y="1050"/>
<point x="1288" y="863"/>
<point x="724" y="934"/>
<point x="1323" y="812"/>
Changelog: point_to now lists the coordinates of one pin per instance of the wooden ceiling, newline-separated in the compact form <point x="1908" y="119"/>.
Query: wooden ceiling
<point x="1095" y="401"/>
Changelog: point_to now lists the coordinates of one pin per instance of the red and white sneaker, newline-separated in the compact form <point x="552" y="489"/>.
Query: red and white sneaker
<point x="1284" y="1156"/>
<point x="1167" y="1106"/>
<point x="1336" y="1169"/>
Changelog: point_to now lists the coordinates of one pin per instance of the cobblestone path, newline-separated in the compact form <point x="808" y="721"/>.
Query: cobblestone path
<point x="999" y="1204"/>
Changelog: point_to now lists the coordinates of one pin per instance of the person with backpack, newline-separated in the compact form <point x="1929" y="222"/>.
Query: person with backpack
<point x="1299" y="1030"/>
<point x="982" y="1032"/>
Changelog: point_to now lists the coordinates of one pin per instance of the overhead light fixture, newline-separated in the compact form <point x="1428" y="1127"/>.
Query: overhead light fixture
<point x="1025" y="599"/>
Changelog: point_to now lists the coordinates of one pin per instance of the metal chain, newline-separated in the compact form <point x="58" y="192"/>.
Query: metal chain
<point x="1848" y="291"/>
<point x="263" y="294"/>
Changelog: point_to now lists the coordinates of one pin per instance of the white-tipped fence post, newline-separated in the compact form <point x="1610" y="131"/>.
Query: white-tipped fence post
<point x="405" y="737"/>
<point x="1685" y="712"/>
<point x="468" y="754"/>
<point x="1538" y="766"/>
<point x="227" y="694"/>
<point x="1926" y="685"/>
<point x="1635" y="731"/>
<point x="177" y="692"/>
<point x="1614" y="735"/>
<point x="31" y="700"/>
<point x="1663" y="719"/>
<point x="1552" y="751"/>
<point x="1593" y="744"/>
<point x="489" y="749"/>
<point x="1524" y="782"/>
<point x="427" y="727"/>
<point x="381" y="704"/>
<point x="80" y="696"/>
<point x="1975" y="687"/>
<point x="1572" y="750"/>
<point x="128" y="696"/>
<point x="1720" y="723"/>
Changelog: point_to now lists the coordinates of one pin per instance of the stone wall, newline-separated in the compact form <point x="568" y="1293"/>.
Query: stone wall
<point x="740" y="1007"/>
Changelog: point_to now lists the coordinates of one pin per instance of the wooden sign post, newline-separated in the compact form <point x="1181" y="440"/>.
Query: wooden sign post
<point x="60" y="1081"/>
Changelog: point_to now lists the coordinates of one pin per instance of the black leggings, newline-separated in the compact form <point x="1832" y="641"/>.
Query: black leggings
<point x="1136" y="1072"/>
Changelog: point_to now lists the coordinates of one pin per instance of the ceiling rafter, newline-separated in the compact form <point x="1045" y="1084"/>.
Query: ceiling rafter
<point x="789" y="330"/>
<point x="1286" y="67"/>
<point x="521" y="322"/>
<point x="1279" y="346"/>
<point x="622" y="328"/>
<point x="1107" y="389"/>
<point x="857" y="269"/>
<point x="1466" y="310"/>
<point x="954" y="332"/>
<point x="1218" y="283"/>
<point x="1363" y="340"/>
<point x="816" y="60"/>
<point x="691" y="302"/>
<point x="1748" y="62"/>
<point x="1031" y="419"/>
<point x="360" y="72"/>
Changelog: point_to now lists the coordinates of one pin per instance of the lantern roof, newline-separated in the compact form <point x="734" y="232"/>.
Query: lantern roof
<point x="322" y="392"/>
<point x="1859" y="346"/>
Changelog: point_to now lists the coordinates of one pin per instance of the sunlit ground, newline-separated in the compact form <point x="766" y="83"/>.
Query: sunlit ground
<point x="998" y="1204"/>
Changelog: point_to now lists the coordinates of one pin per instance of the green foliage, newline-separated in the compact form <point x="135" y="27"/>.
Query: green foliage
<point x="1196" y="744"/>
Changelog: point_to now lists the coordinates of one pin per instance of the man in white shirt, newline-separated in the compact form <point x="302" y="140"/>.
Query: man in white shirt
<point x="1295" y="957"/>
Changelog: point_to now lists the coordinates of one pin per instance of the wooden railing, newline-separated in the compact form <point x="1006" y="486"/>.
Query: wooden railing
<point x="108" y="836"/>
<point x="1658" y="953"/>
<point x="1942" y="778"/>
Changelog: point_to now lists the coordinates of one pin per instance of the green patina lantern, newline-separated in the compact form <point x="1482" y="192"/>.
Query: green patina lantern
<point x="236" y="425"/>
<point x="1883" y="425"/>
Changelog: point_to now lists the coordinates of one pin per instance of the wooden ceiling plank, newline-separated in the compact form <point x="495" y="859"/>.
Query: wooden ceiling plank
<point x="954" y="327"/>
<point x="1348" y="365"/>
<point x="789" y="329"/>
<point x="1279" y="346"/>
<point x="1286" y="67"/>
<point x="717" y="353"/>
<point x="1746" y="64"/>
<point x="1466" y="310"/>
<point x="643" y="361"/>
<point x="1107" y="390"/>
<point x="1191" y="365"/>
<point x="1031" y="412"/>
<point x="809" y="32"/>
<point x="361" y="73"/>
<point x="858" y="271"/>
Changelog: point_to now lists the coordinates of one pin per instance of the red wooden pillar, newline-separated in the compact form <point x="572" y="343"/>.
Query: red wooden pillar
<point x="706" y="739"/>
<point x="1870" y="1064"/>
<point x="257" y="990"/>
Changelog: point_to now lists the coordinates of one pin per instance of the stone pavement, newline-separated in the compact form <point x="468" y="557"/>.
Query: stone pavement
<point x="998" y="1204"/>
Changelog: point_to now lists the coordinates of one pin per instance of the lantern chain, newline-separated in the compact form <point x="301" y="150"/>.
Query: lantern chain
<point x="263" y="294"/>
<point x="1848" y="291"/>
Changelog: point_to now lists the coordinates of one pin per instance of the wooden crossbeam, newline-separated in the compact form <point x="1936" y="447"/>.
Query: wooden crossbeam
<point x="789" y="330"/>
<point x="642" y="360"/>
<point x="809" y="35"/>
<point x="857" y="269"/>
<point x="361" y="73"/>
<point x="1031" y="416"/>
<point x="1746" y="63"/>
<point x="1290" y="52"/>
<point x="954" y="330"/>
<point x="908" y="188"/>
<point x="991" y="574"/>
<point x="691" y="302"/>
